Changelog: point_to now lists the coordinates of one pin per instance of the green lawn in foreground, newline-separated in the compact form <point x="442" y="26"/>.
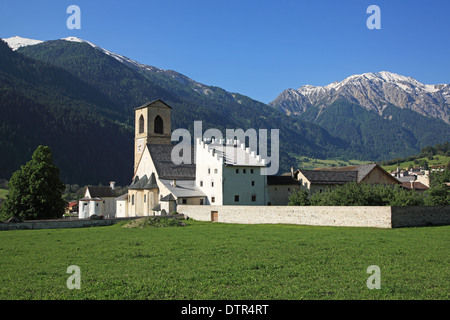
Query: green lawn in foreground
<point x="225" y="261"/>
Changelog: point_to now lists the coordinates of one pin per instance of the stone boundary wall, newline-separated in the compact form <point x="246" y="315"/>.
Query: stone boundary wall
<point x="68" y="223"/>
<point x="348" y="216"/>
<point x="420" y="216"/>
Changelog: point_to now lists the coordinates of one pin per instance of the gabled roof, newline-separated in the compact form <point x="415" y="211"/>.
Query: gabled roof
<point x="169" y="197"/>
<point x="362" y="170"/>
<point x="282" y="180"/>
<point x="101" y="192"/>
<point x="158" y="101"/>
<point x="144" y="183"/>
<point x="329" y="177"/>
<point x="161" y="155"/>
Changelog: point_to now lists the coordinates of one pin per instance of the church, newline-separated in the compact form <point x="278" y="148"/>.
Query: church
<point x="221" y="171"/>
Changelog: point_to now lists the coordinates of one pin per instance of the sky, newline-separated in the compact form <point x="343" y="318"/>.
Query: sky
<point x="257" y="48"/>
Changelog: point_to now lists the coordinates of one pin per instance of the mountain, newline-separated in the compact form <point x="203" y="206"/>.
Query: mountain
<point x="44" y="104"/>
<point x="91" y="112"/>
<point x="382" y="115"/>
<point x="374" y="92"/>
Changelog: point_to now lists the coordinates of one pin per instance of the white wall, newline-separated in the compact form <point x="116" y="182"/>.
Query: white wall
<point x="240" y="184"/>
<point x="379" y="217"/>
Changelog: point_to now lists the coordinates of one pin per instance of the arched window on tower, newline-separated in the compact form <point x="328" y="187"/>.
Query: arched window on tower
<point x="141" y="124"/>
<point x="159" y="125"/>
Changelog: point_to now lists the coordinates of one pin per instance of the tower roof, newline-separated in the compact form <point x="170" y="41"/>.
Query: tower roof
<point x="158" y="102"/>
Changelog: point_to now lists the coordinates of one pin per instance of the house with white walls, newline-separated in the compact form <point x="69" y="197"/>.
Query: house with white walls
<point x="99" y="201"/>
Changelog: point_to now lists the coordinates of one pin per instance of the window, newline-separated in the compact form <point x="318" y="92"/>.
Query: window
<point x="215" y="171"/>
<point x="236" y="198"/>
<point x="251" y="171"/>
<point x="145" y="198"/>
<point x="213" y="199"/>
<point x="141" y="124"/>
<point x="209" y="171"/>
<point x="289" y="189"/>
<point x="183" y="201"/>
<point x="212" y="183"/>
<point x="159" y="125"/>
<point x="253" y="197"/>
<point x="201" y="183"/>
<point x="132" y="200"/>
<point x="243" y="171"/>
<point x="201" y="202"/>
<point x="237" y="170"/>
<point x="253" y="183"/>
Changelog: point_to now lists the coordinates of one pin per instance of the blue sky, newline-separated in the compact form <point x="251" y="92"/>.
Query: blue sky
<point x="255" y="47"/>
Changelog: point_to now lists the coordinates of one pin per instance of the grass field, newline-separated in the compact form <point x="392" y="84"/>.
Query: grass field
<point x="437" y="161"/>
<point x="212" y="261"/>
<point x="312" y="163"/>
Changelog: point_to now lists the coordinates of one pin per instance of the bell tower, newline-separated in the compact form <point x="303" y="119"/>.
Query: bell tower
<point x="152" y="125"/>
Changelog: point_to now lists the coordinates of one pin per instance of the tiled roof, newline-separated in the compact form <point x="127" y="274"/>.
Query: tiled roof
<point x="183" y="188"/>
<point x="144" y="183"/>
<point x="101" y="192"/>
<point x="166" y="169"/>
<point x="329" y="177"/>
<point x="281" y="180"/>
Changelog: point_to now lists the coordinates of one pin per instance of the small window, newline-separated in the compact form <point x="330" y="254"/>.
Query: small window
<point x="201" y="202"/>
<point x="183" y="201"/>
<point x="201" y="183"/>
<point x="253" y="197"/>
<point x="251" y="171"/>
<point x="159" y="125"/>
<point x="213" y="199"/>
<point x="145" y="198"/>
<point x="289" y="189"/>
<point x="132" y="200"/>
<point x="212" y="183"/>
<point x="236" y="198"/>
<point x="237" y="170"/>
<point x="141" y="124"/>
<point x="215" y="171"/>
<point x="244" y="171"/>
<point x="209" y="171"/>
<point x="253" y="183"/>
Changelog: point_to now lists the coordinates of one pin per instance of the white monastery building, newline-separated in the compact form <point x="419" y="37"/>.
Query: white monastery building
<point x="221" y="172"/>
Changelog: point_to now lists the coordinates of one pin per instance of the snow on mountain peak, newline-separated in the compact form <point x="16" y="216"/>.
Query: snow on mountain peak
<point x="17" y="42"/>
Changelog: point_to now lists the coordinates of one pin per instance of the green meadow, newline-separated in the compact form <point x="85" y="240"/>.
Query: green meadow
<point x="205" y="260"/>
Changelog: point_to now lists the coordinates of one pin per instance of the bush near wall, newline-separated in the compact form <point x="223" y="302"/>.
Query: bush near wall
<point x="354" y="194"/>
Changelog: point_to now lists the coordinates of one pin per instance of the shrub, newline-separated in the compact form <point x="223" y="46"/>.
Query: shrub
<point x="299" y="198"/>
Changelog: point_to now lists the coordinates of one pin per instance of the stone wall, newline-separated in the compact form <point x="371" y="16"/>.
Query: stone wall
<point x="57" y="224"/>
<point x="348" y="216"/>
<point x="420" y="216"/>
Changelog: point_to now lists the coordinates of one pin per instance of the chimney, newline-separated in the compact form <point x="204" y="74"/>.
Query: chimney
<point x="174" y="183"/>
<point x="112" y="184"/>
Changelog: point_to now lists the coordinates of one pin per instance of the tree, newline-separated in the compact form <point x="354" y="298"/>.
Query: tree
<point x="35" y="189"/>
<point x="299" y="198"/>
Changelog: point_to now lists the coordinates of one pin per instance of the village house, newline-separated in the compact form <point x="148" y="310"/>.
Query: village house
<point x="98" y="201"/>
<point x="320" y="179"/>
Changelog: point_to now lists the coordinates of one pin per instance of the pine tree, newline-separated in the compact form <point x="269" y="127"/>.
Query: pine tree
<point x="35" y="189"/>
